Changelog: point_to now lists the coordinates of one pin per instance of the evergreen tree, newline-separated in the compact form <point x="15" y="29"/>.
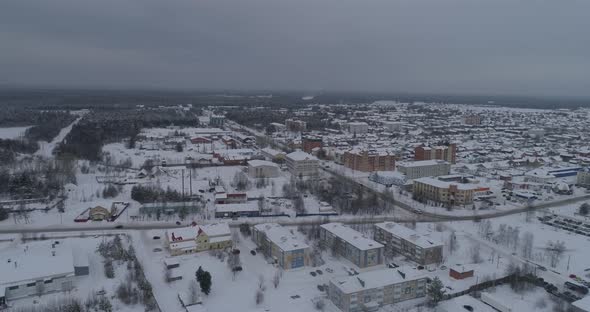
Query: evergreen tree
<point x="435" y="291"/>
<point x="205" y="283"/>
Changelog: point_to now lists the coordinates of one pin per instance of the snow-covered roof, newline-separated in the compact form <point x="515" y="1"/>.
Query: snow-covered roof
<point x="261" y="163"/>
<point x="281" y="237"/>
<point x="351" y="236"/>
<point x="420" y="240"/>
<point x="35" y="261"/>
<point x="582" y="304"/>
<point x="443" y="184"/>
<point x="300" y="156"/>
<point x="250" y="206"/>
<point x="422" y="163"/>
<point x="376" y="279"/>
<point x="216" y="229"/>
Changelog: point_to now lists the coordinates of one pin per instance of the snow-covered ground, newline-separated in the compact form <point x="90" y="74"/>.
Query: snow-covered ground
<point x="13" y="132"/>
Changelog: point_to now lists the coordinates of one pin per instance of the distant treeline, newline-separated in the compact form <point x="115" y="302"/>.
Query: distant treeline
<point x="109" y="99"/>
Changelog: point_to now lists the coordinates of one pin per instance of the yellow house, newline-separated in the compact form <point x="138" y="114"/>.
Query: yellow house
<point x="198" y="238"/>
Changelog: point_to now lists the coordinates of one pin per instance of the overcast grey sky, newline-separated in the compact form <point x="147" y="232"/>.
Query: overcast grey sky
<point x="530" y="47"/>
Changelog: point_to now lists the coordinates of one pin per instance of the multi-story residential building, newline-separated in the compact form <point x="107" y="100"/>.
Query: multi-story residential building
<point x="301" y="163"/>
<point x="369" y="161"/>
<point x="279" y="244"/>
<point x="358" y="127"/>
<point x="443" y="192"/>
<point x="472" y="120"/>
<point x="310" y="142"/>
<point x="216" y="121"/>
<point x="393" y="126"/>
<point x="424" y="168"/>
<point x="400" y="240"/>
<point x="371" y="290"/>
<point x="583" y="178"/>
<point x="352" y="245"/>
<point x="198" y="238"/>
<point x="262" y="169"/>
<point x="448" y="153"/>
<point x="295" y="125"/>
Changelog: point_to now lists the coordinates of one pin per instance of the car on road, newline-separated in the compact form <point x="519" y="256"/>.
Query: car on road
<point x="156" y="237"/>
<point x="253" y="252"/>
<point x="177" y="222"/>
<point x="120" y="226"/>
<point x="312" y="273"/>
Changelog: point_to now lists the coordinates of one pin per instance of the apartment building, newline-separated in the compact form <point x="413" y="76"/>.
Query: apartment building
<point x="369" y="161"/>
<point x="444" y="192"/>
<point x="472" y="120"/>
<point x="281" y="245"/>
<point x="308" y="143"/>
<point x="358" y="127"/>
<point x="371" y="290"/>
<point x="352" y="245"/>
<point x="295" y="125"/>
<point x="301" y="163"/>
<point x="425" y="168"/>
<point x="400" y="240"/>
<point x="448" y="153"/>
<point x="583" y="178"/>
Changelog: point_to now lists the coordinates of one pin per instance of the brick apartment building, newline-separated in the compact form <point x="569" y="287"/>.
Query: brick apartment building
<point x="448" y="153"/>
<point x="369" y="161"/>
<point x="310" y="142"/>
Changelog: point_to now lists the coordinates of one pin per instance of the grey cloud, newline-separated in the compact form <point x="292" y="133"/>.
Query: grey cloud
<point x="451" y="46"/>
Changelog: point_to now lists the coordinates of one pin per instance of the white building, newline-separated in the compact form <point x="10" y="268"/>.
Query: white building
<point x="371" y="290"/>
<point x="38" y="268"/>
<point x="393" y="126"/>
<point x="424" y="168"/>
<point x="282" y="245"/>
<point x="262" y="169"/>
<point x="401" y="240"/>
<point x="301" y="163"/>
<point x="358" y="127"/>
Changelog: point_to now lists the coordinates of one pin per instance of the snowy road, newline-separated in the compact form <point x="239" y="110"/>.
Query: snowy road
<point x="46" y="148"/>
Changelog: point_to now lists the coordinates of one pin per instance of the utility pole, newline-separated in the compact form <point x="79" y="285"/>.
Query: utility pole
<point x="568" y="262"/>
<point x="182" y="170"/>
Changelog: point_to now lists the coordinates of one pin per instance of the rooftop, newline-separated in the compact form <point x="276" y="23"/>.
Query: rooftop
<point x="300" y="155"/>
<point x="351" y="236"/>
<point x="376" y="279"/>
<point x="443" y="184"/>
<point x="281" y="236"/>
<point x="421" y="240"/>
<point x="21" y="264"/>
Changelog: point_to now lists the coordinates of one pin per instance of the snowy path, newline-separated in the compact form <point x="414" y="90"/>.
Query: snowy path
<point x="46" y="148"/>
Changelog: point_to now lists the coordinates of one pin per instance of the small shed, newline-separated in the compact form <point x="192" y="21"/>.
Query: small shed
<point x="461" y="272"/>
<point x="81" y="267"/>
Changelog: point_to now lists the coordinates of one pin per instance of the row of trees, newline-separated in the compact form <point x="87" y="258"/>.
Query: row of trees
<point x="152" y="193"/>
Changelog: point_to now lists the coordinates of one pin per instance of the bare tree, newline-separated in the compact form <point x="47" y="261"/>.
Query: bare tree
<point x="259" y="296"/>
<point x="453" y="244"/>
<point x="527" y="245"/>
<point x="276" y="278"/>
<point x="555" y="251"/>
<point x="475" y="253"/>
<point x="193" y="291"/>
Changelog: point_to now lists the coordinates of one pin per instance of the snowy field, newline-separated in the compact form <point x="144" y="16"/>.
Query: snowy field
<point x="13" y="132"/>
